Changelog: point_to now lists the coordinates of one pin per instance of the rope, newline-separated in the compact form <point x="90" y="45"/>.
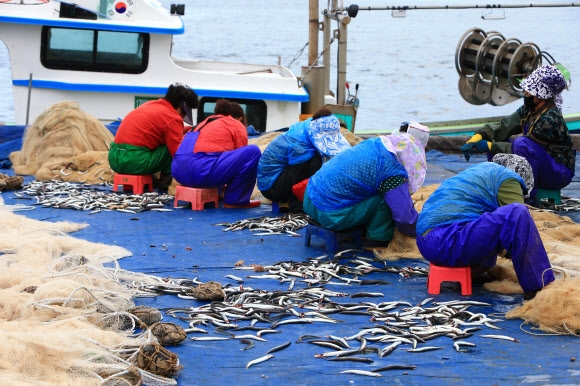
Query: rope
<point x="318" y="57"/>
<point x="298" y="54"/>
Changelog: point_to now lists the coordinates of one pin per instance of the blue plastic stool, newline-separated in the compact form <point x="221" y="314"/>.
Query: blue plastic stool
<point x="333" y="238"/>
<point x="554" y="194"/>
<point x="275" y="207"/>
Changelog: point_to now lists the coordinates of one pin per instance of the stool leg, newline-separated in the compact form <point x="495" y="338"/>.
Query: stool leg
<point x="307" y="236"/>
<point x="433" y="286"/>
<point x="466" y="284"/>
<point x="331" y="244"/>
<point x="358" y="240"/>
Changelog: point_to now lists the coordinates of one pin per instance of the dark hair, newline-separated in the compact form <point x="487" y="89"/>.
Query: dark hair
<point x="233" y="109"/>
<point x="178" y="93"/>
<point x="322" y="112"/>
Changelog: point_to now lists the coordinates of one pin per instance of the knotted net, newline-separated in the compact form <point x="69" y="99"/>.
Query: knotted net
<point x="65" y="143"/>
<point x="64" y="316"/>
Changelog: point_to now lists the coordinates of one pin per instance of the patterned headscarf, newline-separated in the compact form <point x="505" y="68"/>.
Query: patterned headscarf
<point x="325" y="135"/>
<point x="410" y="153"/>
<point x="546" y="82"/>
<point x="519" y="165"/>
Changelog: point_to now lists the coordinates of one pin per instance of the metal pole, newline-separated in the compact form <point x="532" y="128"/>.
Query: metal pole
<point x="313" y="32"/>
<point x="326" y="25"/>
<point x="28" y="102"/>
<point x="341" y="66"/>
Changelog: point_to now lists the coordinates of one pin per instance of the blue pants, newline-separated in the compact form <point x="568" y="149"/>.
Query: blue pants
<point x="509" y="227"/>
<point x="237" y="169"/>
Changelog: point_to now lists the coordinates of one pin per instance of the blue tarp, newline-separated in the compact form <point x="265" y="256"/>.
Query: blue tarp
<point x="185" y="244"/>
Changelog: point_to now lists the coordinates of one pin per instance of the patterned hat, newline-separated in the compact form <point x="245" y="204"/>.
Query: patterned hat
<point x="546" y="82"/>
<point x="519" y="165"/>
<point x="325" y="135"/>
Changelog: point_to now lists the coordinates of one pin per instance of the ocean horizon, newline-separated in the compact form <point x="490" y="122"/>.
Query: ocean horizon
<point x="405" y="67"/>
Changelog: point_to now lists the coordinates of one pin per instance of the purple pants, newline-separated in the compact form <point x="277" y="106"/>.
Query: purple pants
<point x="237" y="169"/>
<point x="548" y="174"/>
<point x="509" y="227"/>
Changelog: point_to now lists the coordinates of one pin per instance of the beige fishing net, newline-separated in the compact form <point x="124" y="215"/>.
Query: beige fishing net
<point x="64" y="316"/>
<point x="65" y="143"/>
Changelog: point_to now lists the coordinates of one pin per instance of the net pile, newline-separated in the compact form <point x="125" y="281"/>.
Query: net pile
<point x="64" y="309"/>
<point x="65" y="143"/>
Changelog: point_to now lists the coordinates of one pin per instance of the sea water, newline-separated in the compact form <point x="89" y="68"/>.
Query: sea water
<point x="405" y="67"/>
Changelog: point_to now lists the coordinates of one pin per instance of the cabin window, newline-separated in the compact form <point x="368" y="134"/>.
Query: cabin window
<point x="256" y="110"/>
<point x="96" y="51"/>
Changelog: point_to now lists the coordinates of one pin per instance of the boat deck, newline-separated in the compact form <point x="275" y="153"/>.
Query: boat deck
<point x="186" y="244"/>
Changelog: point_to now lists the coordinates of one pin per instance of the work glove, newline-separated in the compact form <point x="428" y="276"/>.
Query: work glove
<point x="480" y="146"/>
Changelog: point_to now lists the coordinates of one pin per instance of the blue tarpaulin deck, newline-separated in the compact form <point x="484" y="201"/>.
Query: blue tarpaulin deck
<point x="186" y="244"/>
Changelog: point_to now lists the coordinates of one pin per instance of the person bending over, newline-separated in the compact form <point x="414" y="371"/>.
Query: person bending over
<point x="297" y="154"/>
<point x="216" y="153"/>
<point x="370" y="185"/>
<point x="149" y="136"/>
<point x="475" y="215"/>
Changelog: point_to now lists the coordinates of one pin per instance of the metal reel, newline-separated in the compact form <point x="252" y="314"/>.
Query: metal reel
<point x="467" y="49"/>
<point x="525" y="60"/>
<point x="486" y="55"/>
<point x="502" y="60"/>
<point x="466" y="90"/>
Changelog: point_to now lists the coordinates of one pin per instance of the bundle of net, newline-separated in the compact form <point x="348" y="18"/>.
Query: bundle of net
<point x="65" y="143"/>
<point x="64" y="312"/>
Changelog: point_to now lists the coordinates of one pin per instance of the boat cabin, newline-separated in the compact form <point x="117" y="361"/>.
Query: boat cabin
<point x="111" y="56"/>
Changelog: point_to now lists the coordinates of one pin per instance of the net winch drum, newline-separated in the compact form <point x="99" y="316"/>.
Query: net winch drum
<point x="491" y="67"/>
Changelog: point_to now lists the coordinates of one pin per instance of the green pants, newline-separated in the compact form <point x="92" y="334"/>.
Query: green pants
<point x="129" y="159"/>
<point x="373" y="213"/>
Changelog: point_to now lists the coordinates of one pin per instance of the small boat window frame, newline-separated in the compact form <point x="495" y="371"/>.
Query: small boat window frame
<point x="95" y="59"/>
<point x="256" y="110"/>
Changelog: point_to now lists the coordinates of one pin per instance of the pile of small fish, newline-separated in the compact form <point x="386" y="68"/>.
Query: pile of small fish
<point x="266" y="226"/>
<point x="396" y="323"/>
<point x="317" y="271"/>
<point x="67" y="195"/>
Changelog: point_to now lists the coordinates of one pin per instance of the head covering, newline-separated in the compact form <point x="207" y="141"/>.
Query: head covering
<point x="410" y="152"/>
<point x="188" y="113"/>
<point x="325" y="135"/>
<point x="519" y="165"/>
<point x="419" y="132"/>
<point x="546" y="82"/>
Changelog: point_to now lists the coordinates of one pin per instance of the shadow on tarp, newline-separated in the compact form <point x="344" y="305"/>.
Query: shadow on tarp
<point x="186" y="244"/>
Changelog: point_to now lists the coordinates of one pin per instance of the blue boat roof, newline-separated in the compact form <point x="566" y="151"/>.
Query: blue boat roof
<point x="187" y="244"/>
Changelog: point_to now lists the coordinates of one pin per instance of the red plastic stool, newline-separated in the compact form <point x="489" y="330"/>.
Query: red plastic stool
<point x="438" y="274"/>
<point x="197" y="197"/>
<point x="133" y="182"/>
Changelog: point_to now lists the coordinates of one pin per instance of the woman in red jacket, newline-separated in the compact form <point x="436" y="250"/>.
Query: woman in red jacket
<point x="216" y="153"/>
<point x="149" y="136"/>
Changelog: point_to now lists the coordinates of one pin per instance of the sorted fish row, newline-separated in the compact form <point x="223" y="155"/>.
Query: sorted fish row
<point x="67" y="195"/>
<point x="264" y="226"/>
